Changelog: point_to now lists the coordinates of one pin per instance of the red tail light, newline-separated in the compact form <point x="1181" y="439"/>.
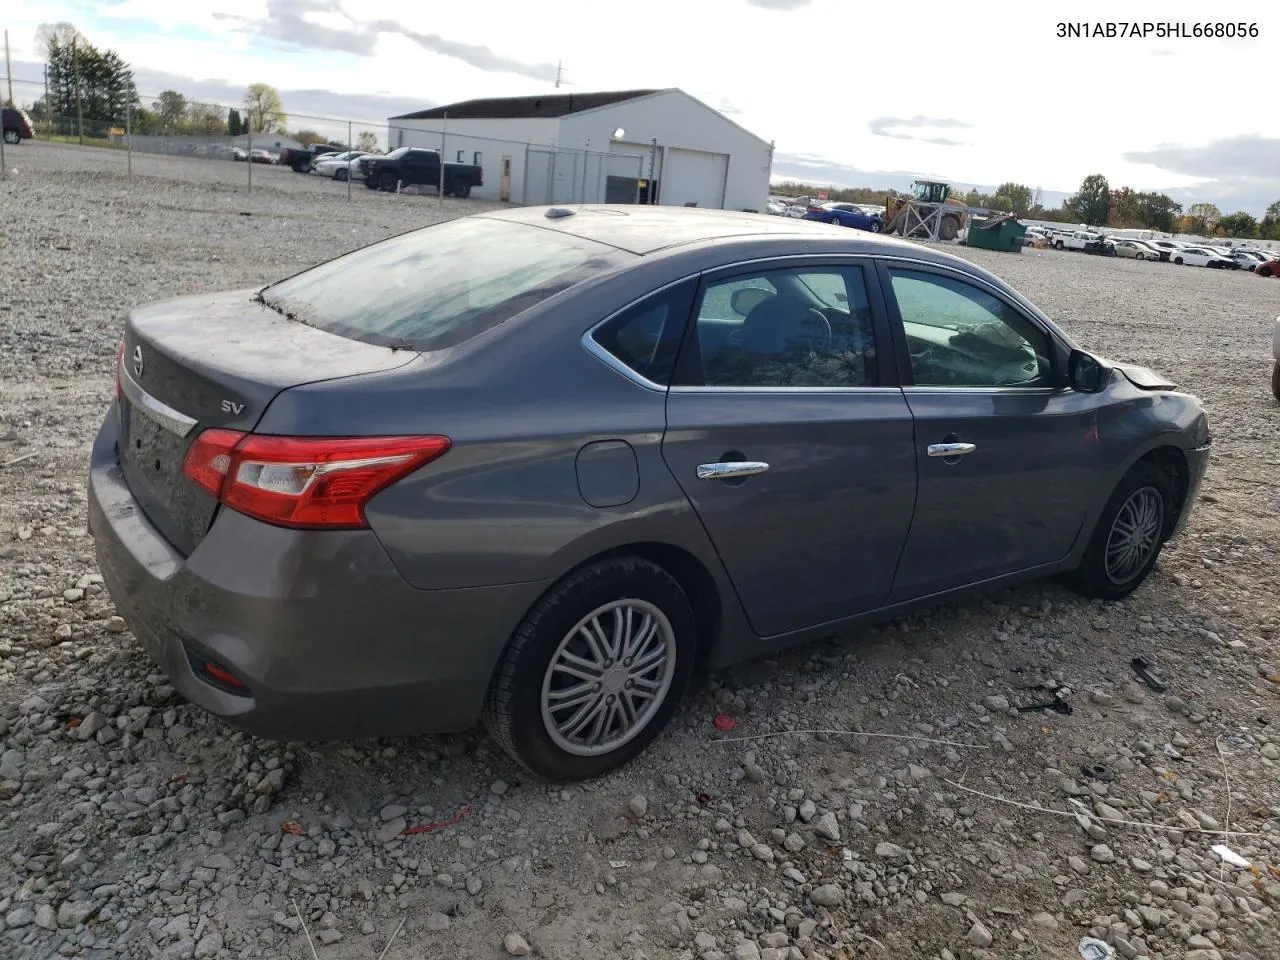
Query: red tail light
<point x="119" y="364"/>
<point x="304" y="482"/>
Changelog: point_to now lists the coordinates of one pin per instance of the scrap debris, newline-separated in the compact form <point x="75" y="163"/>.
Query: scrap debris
<point x="437" y="825"/>
<point x="1144" y="669"/>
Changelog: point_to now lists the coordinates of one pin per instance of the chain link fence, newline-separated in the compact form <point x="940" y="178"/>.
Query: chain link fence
<point x="508" y="171"/>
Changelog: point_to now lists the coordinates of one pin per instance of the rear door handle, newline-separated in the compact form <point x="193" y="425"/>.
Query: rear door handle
<point x="728" y="471"/>
<point x="948" y="450"/>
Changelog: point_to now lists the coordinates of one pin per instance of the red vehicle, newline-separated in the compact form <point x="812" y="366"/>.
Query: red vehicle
<point x="1269" y="269"/>
<point x="17" y="125"/>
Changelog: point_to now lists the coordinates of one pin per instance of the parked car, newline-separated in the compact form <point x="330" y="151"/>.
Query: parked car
<point x="1154" y="252"/>
<point x="302" y="159"/>
<point x="338" y="165"/>
<point x="1269" y="269"/>
<point x="16" y="124"/>
<point x="1200" y="257"/>
<point x="262" y="156"/>
<point x="479" y="469"/>
<point x="846" y="215"/>
<point x="414" y="165"/>
<point x="1173" y="246"/>
<point x="238" y="154"/>
<point x="1248" y="259"/>
<point x="1135" y="249"/>
<point x="776" y="208"/>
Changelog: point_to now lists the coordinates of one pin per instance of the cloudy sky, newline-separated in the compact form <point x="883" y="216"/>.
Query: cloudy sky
<point x="852" y="93"/>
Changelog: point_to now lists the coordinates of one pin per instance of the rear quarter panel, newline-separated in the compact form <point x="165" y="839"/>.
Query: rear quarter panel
<point x="518" y="402"/>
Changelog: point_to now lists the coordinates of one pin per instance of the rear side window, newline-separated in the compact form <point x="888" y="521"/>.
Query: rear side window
<point x="645" y="337"/>
<point x="439" y="286"/>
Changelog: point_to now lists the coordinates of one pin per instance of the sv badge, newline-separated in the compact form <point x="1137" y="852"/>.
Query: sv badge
<point x="233" y="408"/>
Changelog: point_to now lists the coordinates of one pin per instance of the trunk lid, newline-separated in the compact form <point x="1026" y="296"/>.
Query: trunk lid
<point x="213" y="361"/>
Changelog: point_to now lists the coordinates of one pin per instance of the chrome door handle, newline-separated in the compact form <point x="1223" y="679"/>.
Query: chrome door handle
<point x="728" y="471"/>
<point x="948" y="450"/>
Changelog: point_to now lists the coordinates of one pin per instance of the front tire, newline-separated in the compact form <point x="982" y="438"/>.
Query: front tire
<point x="1178" y="261"/>
<point x="595" y="670"/>
<point x="12" y="136"/>
<point x="1058" y="245"/>
<point x="341" y="176"/>
<point x="1128" y="537"/>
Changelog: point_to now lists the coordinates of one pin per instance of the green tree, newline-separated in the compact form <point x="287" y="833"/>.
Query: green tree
<point x="1014" y="197"/>
<point x="205" y="120"/>
<point x="234" y="125"/>
<point x="264" y="111"/>
<point x="1202" y="218"/>
<point x="1238" y="224"/>
<point x="308" y="137"/>
<point x="367" y="141"/>
<point x="145" y="122"/>
<point x="171" y="109"/>
<point x="1092" y="203"/>
<point x="1124" y="210"/>
<point x="85" y="81"/>
<point x="1156" y="211"/>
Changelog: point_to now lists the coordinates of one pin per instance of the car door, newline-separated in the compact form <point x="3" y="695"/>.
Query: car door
<point x="786" y="431"/>
<point x="1005" y="457"/>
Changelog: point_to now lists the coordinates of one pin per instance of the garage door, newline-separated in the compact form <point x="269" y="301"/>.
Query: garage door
<point x="693" y="176"/>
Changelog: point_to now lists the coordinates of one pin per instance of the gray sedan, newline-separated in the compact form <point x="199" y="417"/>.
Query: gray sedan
<point x="531" y="466"/>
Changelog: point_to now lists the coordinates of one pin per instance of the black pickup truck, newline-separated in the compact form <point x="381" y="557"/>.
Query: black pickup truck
<point x="416" y="166"/>
<point x="302" y="159"/>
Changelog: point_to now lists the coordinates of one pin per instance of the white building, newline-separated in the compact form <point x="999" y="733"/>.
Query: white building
<point x="628" y="146"/>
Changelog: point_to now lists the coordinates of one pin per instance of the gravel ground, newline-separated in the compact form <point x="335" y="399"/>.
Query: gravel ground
<point x="131" y="825"/>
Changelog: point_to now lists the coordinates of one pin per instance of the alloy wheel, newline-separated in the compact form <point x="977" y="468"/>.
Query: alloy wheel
<point x="1135" y="535"/>
<point x="608" y="677"/>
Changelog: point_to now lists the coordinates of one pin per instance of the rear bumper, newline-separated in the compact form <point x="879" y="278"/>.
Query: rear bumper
<point x="328" y="638"/>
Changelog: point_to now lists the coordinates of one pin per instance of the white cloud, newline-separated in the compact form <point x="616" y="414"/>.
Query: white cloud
<point x="815" y="77"/>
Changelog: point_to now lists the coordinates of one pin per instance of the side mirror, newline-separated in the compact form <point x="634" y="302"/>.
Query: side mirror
<point x="1085" y="373"/>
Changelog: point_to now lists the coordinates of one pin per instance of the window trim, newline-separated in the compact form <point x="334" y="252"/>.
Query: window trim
<point x="875" y="301"/>
<point x="906" y="376"/>
<point x="597" y="350"/>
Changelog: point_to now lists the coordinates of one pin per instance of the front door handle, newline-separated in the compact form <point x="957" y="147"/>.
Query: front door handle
<point x="948" y="450"/>
<point x="731" y="470"/>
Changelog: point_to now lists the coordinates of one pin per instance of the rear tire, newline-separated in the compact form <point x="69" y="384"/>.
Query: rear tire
<point x="1058" y="245"/>
<point x="462" y="191"/>
<point x="1128" y="537"/>
<point x="12" y="136"/>
<point x="949" y="228"/>
<point x="1263" y="271"/>
<point x="1178" y="261"/>
<point x="535" y="727"/>
<point x="341" y="175"/>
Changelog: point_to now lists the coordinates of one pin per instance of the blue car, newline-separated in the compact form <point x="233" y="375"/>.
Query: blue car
<point x="846" y="215"/>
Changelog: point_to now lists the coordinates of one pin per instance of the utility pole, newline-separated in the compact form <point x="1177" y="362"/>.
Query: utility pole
<point x="559" y="72"/>
<point x="8" y="68"/>
<point x="48" y="107"/>
<point x="75" y="72"/>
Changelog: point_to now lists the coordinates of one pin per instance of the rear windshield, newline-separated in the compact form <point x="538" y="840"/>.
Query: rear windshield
<point x="436" y="287"/>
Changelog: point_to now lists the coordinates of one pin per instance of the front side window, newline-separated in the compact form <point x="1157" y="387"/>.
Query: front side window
<point x="438" y="286"/>
<point x="958" y="335"/>
<point x="801" y="327"/>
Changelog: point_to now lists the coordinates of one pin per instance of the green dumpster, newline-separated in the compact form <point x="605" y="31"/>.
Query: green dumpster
<point x="997" y="233"/>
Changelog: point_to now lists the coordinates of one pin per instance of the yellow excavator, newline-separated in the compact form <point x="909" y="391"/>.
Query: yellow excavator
<point x="927" y="197"/>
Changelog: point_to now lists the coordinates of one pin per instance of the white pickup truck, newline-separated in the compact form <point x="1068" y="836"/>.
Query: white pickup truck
<point x="1077" y="240"/>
